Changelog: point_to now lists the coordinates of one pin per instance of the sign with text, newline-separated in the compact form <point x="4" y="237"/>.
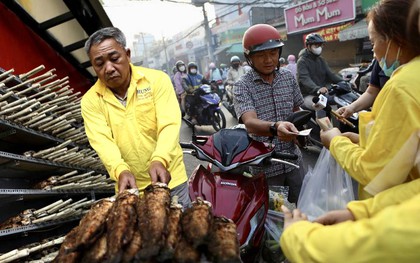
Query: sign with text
<point x="318" y="13"/>
<point x="330" y="33"/>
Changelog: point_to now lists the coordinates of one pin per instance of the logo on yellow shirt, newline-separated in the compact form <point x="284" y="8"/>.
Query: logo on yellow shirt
<point x="144" y="93"/>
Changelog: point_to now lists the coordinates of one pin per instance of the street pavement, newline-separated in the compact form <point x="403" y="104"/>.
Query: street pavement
<point x="310" y="154"/>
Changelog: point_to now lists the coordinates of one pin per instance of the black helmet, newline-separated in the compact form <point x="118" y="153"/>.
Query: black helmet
<point x="192" y="65"/>
<point x="314" y="38"/>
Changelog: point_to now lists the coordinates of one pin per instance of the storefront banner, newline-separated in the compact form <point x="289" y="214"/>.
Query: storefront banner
<point x="318" y="13"/>
<point x="330" y="33"/>
<point x="367" y="5"/>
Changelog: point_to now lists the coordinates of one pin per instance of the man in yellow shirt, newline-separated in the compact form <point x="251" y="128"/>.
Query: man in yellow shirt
<point x="132" y="118"/>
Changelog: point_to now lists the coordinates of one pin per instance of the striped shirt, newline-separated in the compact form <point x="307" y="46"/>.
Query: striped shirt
<point x="271" y="102"/>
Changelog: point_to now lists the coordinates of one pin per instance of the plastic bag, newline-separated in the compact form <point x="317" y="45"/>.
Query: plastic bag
<point x="325" y="188"/>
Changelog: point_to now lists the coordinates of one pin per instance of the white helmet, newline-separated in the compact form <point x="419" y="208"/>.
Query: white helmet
<point x="235" y="58"/>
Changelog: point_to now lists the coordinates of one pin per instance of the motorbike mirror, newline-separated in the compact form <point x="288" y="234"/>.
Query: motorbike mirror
<point x="299" y="118"/>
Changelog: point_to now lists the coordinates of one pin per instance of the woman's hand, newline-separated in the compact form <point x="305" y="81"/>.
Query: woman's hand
<point x="327" y="136"/>
<point x="334" y="217"/>
<point x="292" y="217"/>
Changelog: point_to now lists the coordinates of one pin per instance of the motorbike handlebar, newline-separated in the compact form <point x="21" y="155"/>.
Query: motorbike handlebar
<point x="187" y="145"/>
<point x="289" y="156"/>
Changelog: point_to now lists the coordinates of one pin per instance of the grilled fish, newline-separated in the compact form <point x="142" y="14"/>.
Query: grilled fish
<point x="223" y="241"/>
<point x="120" y="225"/>
<point x="153" y="209"/>
<point x="196" y="222"/>
<point x="96" y="253"/>
<point x="173" y="230"/>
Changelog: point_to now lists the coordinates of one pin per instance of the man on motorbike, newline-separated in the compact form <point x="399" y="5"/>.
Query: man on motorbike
<point x="264" y="98"/>
<point x="235" y="70"/>
<point x="193" y="81"/>
<point x="313" y="72"/>
<point x="180" y="84"/>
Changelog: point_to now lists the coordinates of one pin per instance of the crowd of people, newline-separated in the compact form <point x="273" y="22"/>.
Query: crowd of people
<point x="132" y="117"/>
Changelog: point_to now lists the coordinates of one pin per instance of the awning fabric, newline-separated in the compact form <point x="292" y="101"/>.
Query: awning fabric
<point x="235" y="49"/>
<point x="221" y="48"/>
<point x="358" y="30"/>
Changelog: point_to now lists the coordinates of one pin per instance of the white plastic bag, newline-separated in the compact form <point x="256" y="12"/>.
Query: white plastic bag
<point x="325" y="188"/>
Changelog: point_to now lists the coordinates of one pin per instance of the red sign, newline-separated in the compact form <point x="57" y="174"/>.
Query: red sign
<point x="318" y="13"/>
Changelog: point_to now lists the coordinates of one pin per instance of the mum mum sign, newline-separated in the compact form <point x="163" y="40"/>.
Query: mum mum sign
<point x="318" y="13"/>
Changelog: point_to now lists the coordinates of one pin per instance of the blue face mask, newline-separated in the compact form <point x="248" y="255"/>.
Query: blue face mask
<point x="382" y="63"/>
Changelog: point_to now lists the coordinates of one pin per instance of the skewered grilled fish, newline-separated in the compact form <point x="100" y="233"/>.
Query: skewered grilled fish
<point x="153" y="209"/>
<point x="196" y="222"/>
<point x="92" y="225"/>
<point x="120" y="224"/>
<point x="223" y="241"/>
<point x="133" y="248"/>
<point x="173" y="230"/>
<point x="185" y="252"/>
<point x="96" y="253"/>
<point x="67" y="252"/>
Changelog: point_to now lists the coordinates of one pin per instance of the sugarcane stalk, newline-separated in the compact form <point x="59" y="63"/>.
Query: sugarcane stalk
<point x="41" y="82"/>
<point x="60" y="135"/>
<point x="32" y="72"/>
<point x="42" y="121"/>
<point x="47" y="96"/>
<point x="16" y="102"/>
<point x="31" y="87"/>
<point x="20" y="254"/>
<point x="58" y="207"/>
<point x="61" y="177"/>
<point x="6" y="95"/>
<point x="56" y="120"/>
<point x="51" y="84"/>
<point x="8" y="72"/>
<point x="54" y="154"/>
<point x="7" y="80"/>
<point x="29" y="81"/>
<point x="63" y="128"/>
<point x="45" y="208"/>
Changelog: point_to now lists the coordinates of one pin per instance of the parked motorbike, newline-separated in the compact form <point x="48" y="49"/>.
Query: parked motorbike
<point x="207" y="108"/>
<point x="228" y="103"/>
<point x="357" y="75"/>
<point x="232" y="191"/>
<point x="340" y="95"/>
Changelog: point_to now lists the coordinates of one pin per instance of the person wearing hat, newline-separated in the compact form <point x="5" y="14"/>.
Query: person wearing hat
<point x="313" y="73"/>
<point x="264" y="98"/>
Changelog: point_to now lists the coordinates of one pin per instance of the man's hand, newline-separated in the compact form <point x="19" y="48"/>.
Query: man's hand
<point x="286" y="131"/>
<point x="334" y="217"/>
<point x="126" y="180"/>
<point x="327" y="136"/>
<point x="323" y="90"/>
<point x="158" y="173"/>
<point x="292" y="217"/>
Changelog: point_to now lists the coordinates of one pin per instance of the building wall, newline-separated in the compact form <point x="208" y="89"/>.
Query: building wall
<point x="23" y="50"/>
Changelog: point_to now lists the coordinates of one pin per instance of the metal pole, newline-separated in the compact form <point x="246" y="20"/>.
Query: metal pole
<point x="208" y="36"/>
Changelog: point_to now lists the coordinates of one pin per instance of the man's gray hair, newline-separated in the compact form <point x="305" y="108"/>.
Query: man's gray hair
<point x="105" y="33"/>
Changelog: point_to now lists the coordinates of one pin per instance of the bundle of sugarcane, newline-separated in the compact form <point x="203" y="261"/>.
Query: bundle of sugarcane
<point x="73" y="180"/>
<point x="62" y="153"/>
<point x="48" y="248"/>
<point x="56" y="211"/>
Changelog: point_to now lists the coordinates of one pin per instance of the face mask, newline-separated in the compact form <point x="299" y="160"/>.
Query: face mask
<point x="182" y="68"/>
<point x="382" y="63"/>
<point x="193" y="71"/>
<point x="316" y="50"/>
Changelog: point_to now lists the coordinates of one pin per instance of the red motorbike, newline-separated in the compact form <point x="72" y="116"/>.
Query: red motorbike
<point x="232" y="190"/>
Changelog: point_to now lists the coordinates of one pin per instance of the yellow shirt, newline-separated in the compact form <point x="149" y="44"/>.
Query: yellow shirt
<point x="394" y="118"/>
<point x="387" y="230"/>
<point x="146" y="130"/>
